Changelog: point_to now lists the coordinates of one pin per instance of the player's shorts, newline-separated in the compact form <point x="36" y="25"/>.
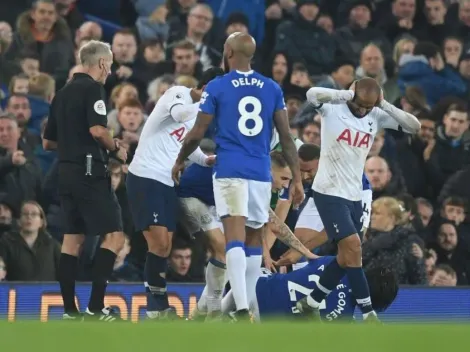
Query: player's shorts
<point x="341" y="217"/>
<point x="89" y="204"/>
<point x="241" y="197"/>
<point x="309" y="218"/>
<point x="198" y="215"/>
<point x="152" y="203"/>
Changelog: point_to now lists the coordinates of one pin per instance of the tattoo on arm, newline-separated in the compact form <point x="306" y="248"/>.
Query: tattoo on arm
<point x="285" y="235"/>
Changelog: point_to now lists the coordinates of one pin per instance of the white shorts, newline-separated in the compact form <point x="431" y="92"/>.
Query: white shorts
<point x="241" y="197"/>
<point x="309" y="217"/>
<point x="198" y="215"/>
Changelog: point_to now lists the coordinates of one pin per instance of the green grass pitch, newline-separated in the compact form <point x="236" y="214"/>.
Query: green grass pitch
<point x="193" y="337"/>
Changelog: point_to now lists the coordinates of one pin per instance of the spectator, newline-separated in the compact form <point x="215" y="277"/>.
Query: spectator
<point x="426" y="69"/>
<point x="185" y="59"/>
<point x="8" y="68"/>
<point x="425" y="210"/>
<point x="444" y="276"/>
<point x="305" y="41"/>
<point x="90" y="30"/>
<point x="179" y="263"/>
<point x="45" y="33"/>
<point x="341" y="76"/>
<point x="299" y="76"/>
<point x="20" y="177"/>
<point x="19" y="84"/>
<point x="436" y="27"/>
<point x="236" y="22"/>
<point x="151" y="23"/>
<point x="186" y="81"/>
<point x="448" y="153"/>
<point x="123" y="270"/>
<point x="156" y="89"/>
<point x="6" y="216"/>
<point x="452" y="252"/>
<point x="462" y="30"/>
<point x="372" y="64"/>
<point x="401" y="21"/>
<point x="29" y="62"/>
<point x="430" y="263"/>
<point x="464" y="68"/>
<point x="30" y="253"/>
<point x="358" y="33"/>
<point x="456" y="185"/>
<point x="452" y="48"/>
<point x="279" y="68"/>
<point x="69" y="11"/>
<point x="453" y="209"/>
<point x="18" y="105"/>
<point x="310" y="133"/>
<point x="382" y="181"/>
<point x="41" y="91"/>
<point x="393" y="245"/>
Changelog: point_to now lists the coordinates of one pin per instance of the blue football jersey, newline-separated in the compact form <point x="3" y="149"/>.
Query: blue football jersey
<point x="196" y="182"/>
<point x="243" y="105"/>
<point x="277" y="294"/>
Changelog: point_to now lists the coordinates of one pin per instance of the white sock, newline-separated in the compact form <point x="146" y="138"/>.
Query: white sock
<point x="253" y="271"/>
<point x="228" y="303"/>
<point x="236" y="269"/>
<point x="215" y="283"/>
<point x="202" y="303"/>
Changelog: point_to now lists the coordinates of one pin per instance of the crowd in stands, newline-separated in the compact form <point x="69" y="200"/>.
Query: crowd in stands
<point x="418" y="50"/>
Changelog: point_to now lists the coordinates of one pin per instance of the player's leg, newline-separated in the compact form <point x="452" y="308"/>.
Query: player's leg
<point x="70" y="251"/>
<point x="231" y="201"/>
<point x="102" y="216"/>
<point x="350" y="257"/>
<point x="197" y="216"/>
<point x="153" y="206"/>
<point x="258" y="215"/>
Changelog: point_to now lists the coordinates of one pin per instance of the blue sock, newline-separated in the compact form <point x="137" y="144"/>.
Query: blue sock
<point x="360" y="289"/>
<point x="331" y="277"/>
<point x="155" y="284"/>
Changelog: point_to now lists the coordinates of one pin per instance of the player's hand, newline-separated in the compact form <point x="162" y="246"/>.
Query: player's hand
<point x="176" y="171"/>
<point x="122" y="154"/>
<point x="296" y="193"/>
<point x="130" y="137"/>
<point x="210" y="161"/>
<point x="289" y="258"/>
<point x="18" y="158"/>
<point x="269" y="262"/>
<point x="381" y="98"/>
<point x="428" y="150"/>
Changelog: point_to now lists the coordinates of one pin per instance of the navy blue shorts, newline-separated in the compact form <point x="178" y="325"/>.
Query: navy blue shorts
<point x="341" y="217"/>
<point x="152" y="203"/>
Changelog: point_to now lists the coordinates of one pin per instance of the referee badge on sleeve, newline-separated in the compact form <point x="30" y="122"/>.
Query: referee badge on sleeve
<point x="100" y="107"/>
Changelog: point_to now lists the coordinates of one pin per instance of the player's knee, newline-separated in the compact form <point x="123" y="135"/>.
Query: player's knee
<point x="114" y="241"/>
<point x="72" y="244"/>
<point x="158" y="241"/>
<point x="217" y="244"/>
<point x="350" y="251"/>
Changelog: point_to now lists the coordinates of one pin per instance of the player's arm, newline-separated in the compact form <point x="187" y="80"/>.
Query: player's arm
<point x="182" y="113"/>
<point x="397" y="119"/>
<point x="49" y="140"/>
<point x="96" y="118"/>
<point x="198" y="157"/>
<point x="207" y="108"/>
<point x="289" y="150"/>
<point x="285" y="235"/>
<point x="318" y="96"/>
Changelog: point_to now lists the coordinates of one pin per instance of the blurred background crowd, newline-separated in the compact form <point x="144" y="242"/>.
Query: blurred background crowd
<point x="418" y="50"/>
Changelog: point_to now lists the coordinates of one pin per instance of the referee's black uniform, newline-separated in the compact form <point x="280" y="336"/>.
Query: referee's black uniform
<point x="88" y="201"/>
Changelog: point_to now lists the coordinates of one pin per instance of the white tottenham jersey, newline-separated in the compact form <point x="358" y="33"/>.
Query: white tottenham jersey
<point x="161" y="138"/>
<point x="345" y="143"/>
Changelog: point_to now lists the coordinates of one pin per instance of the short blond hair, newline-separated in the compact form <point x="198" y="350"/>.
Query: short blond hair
<point x="186" y="81"/>
<point x="394" y="207"/>
<point x="42" y="85"/>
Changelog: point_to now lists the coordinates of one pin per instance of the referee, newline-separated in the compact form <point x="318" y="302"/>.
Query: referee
<point x="77" y="129"/>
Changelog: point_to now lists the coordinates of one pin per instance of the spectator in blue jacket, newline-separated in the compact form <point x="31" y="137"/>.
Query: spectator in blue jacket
<point x="426" y="69"/>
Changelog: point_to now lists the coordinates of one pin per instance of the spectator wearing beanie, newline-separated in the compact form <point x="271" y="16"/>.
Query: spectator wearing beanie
<point x="358" y="32"/>
<point x="151" y="22"/>
<point x="341" y="76"/>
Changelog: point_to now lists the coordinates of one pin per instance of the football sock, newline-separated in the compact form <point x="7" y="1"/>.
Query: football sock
<point x="360" y="289"/>
<point x="331" y="276"/>
<point x="236" y="271"/>
<point x="68" y="271"/>
<point x="102" y="269"/>
<point x="155" y="282"/>
<point x="254" y="259"/>
<point x="215" y="283"/>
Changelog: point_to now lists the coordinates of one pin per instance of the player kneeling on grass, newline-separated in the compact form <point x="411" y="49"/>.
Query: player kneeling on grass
<point x="277" y="294"/>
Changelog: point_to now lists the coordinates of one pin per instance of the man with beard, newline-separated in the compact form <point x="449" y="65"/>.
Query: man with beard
<point x="18" y="105"/>
<point x="245" y="106"/>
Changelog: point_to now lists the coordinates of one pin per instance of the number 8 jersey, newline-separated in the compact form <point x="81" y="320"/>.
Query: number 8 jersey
<point x="243" y="105"/>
